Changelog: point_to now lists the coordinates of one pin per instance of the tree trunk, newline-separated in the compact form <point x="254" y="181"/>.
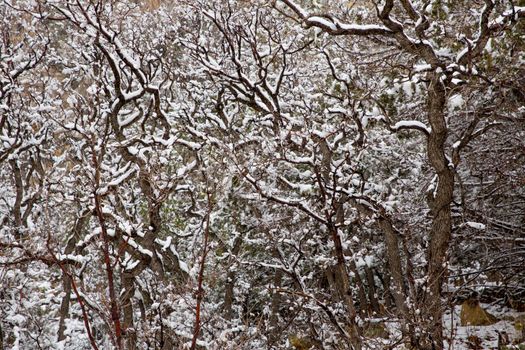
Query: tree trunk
<point x="341" y="274"/>
<point x="128" y="326"/>
<point x="230" y="281"/>
<point x="64" y="307"/>
<point x="273" y="335"/>
<point x="440" y="202"/>
<point x="1" y="337"/>
<point x="372" y="296"/>
<point x="66" y="279"/>
<point x="19" y="190"/>
<point x="342" y="284"/>
<point x="364" y="306"/>
<point x="395" y="269"/>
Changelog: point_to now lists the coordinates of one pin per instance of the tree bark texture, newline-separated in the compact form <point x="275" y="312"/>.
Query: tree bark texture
<point x="128" y="326"/>
<point x="66" y="279"/>
<point x="440" y="205"/>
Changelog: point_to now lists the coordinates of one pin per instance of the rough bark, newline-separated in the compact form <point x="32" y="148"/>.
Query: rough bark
<point x="114" y="307"/>
<point x="128" y="327"/>
<point x="273" y="335"/>
<point x="64" y="307"/>
<point x="372" y="296"/>
<point x="342" y="279"/>
<point x="395" y="269"/>
<point x="364" y="305"/>
<point x="19" y="190"/>
<point x="66" y="279"/>
<point x="440" y="232"/>
<point x="342" y="282"/>
<point x="200" y="279"/>
<point x="396" y="278"/>
<point x="230" y="281"/>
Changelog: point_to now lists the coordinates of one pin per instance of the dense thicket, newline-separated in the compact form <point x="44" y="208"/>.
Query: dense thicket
<point x="258" y="174"/>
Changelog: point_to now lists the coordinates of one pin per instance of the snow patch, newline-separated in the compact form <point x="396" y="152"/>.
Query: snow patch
<point x="476" y="225"/>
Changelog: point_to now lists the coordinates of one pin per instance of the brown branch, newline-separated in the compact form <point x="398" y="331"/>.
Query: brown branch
<point x="407" y="5"/>
<point x="323" y="306"/>
<point x="19" y="186"/>
<point x="333" y="26"/>
<point x="105" y="250"/>
<point x="80" y="300"/>
<point x="483" y="36"/>
<point x="200" y="289"/>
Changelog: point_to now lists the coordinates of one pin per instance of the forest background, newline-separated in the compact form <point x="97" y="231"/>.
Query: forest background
<point x="262" y="174"/>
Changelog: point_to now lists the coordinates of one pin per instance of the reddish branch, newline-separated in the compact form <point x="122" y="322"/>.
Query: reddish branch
<point x="200" y="289"/>
<point x="80" y="300"/>
<point x="107" y="260"/>
<point x="51" y="260"/>
<point x="82" y="308"/>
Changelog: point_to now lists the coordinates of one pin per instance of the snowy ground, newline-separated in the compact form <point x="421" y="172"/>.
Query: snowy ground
<point x="486" y="336"/>
<point x="470" y="337"/>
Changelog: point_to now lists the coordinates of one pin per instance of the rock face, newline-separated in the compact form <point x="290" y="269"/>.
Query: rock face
<point x="472" y="314"/>
<point x="152" y="5"/>
<point x="377" y="330"/>
<point x="301" y="343"/>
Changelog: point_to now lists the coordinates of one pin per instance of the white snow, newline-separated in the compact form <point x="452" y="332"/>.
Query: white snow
<point x="138" y="247"/>
<point x="488" y="335"/>
<point x="362" y="27"/>
<point x="121" y="178"/>
<point x="411" y="124"/>
<point x="323" y="22"/>
<point x="476" y="225"/>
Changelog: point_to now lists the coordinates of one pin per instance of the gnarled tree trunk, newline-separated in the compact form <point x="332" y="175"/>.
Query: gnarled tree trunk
<point x="440" y="205"/>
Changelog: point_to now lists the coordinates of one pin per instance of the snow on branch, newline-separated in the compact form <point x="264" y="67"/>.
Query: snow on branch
<point x="333" y="26"/>
<point x="475" y="225"/>
<point x="487" y="28"/>
<point x="411" y="125"/>
<point x="287" y="202"/>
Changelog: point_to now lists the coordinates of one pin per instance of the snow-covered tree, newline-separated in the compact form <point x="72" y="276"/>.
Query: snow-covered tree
<point x="257" y="174"/>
